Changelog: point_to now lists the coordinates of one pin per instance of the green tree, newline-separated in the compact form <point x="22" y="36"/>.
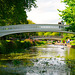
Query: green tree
<point x="47" y="33"/>
<point x="14" y="11"/>
<point x="40" y="33"/>
<point x="23" y="35"/>
<point x="30" y="22"/>
<point x="55" y="34"/>
<point x="67" y="35"/>
<point x="68" y="15"/>
<point x="31" y="33"/>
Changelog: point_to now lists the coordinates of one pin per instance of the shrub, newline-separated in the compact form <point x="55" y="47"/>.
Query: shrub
<point x="7" y="47"/>
<point x="10" y="46"/>
<point x="2" y="48"/>
<point x="72" y="42"/>
<point x="29" y="40"/>
<point x="18" y="43"/>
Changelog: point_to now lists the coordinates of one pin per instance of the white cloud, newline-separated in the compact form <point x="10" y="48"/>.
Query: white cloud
<point x="46" y="13"/>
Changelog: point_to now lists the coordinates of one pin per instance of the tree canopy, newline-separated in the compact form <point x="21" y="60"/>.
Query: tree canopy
<point x="68" y="14"/>
<point x="30" y="22"/>
<point x="14" y="11"/>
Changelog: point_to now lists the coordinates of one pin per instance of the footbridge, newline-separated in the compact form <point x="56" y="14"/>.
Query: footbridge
<point x="46" y="37"/>
<point x="12" y="29"/>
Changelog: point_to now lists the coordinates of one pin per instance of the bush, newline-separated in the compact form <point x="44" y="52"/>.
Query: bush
<point x="2" y="48"/>
<point x="53" y="42"/>
<point x="7" y="47"/>
<point x="18" y="43"/>
<point x="10" y="46"/>
<point x="72" y="42"/>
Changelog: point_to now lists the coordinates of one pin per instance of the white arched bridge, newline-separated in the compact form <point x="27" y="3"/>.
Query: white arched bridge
<point x="11" y="29"/>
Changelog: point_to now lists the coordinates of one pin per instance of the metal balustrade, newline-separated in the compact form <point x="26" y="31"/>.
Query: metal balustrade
<point x="11" y="29"/>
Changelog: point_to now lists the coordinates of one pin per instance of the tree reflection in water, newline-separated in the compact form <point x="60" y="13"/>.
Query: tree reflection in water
<point x="46" y="60"/>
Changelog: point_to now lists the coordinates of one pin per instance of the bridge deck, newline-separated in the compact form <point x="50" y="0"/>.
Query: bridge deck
<point x="11" y="29"/>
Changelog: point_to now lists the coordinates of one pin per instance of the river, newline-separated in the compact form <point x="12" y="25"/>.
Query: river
<point x="44" y="60"/>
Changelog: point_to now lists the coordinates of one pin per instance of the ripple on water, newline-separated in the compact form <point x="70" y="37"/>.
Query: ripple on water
<point x="45" y="63"/>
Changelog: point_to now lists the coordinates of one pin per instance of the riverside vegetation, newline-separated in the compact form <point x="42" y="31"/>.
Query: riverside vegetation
<point x="17" y="46"/>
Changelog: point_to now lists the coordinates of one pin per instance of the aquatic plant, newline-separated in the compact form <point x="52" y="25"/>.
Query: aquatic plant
<point x="16" y="62"/>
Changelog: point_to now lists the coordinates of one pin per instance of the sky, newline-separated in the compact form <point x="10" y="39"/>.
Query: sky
<point x="46" y="12"/>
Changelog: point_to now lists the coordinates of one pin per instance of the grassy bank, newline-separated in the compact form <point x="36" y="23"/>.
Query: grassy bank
<point x="8" y="46"/>
<point x="13" y="46"/>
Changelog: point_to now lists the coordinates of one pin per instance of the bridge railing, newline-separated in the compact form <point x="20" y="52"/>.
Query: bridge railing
<point x="32" y="26"/>
<point x="5" y="30"/>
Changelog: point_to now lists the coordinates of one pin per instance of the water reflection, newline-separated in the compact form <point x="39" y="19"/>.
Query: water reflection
<point x="52" y="51"/>
<point x="47" y="60"/>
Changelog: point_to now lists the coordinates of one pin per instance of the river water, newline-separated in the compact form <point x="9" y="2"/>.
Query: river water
<point x="44" y="60"/>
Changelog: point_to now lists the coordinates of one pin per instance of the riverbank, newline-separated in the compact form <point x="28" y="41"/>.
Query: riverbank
<point x="17" y="46"/>
<point x="64" y="44"/>
<point x="13" y="46"/>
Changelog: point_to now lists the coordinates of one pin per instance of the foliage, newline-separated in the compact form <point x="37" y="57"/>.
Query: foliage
<point x="14" y="12"/>
<point x="16" y="62"/>
<point x="13" y="46"/>
<point x="38" y="43"/>
<point x="17" y="46"/>
<point x="29" y="40"/>
<point x="53" y="42"/>
<point x="68" y="15"/>
<point x="30" y="33"/>
<point x="72" y="42"/>
<point x="55" y="34"/>
<point x="7" y="47"/>
<point x="41" y="33"/>
<point x="67" y="36"/>
<point x="30" y="22"/>
<point x="2" y="48"/>
<point x="47" y="33"/>
<point x="22" y="35"/>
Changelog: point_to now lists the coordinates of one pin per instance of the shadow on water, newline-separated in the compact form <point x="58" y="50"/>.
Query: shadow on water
<point x="45" y="60"/>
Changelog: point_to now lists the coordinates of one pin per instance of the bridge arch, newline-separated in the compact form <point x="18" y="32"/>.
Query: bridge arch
<point x="12" y="29"/>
